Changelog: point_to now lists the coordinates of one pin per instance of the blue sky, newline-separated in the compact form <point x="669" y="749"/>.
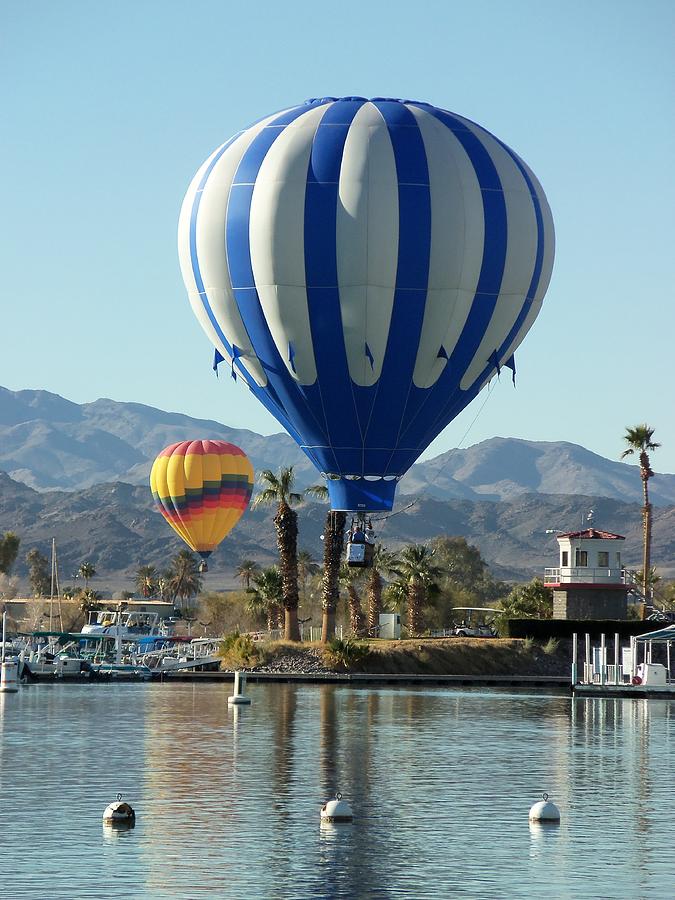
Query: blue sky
<point x="109" y="109"/>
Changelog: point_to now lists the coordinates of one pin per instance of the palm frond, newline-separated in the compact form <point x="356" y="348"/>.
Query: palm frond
<point x="320" y="491"/>
<point x="266" y="498"/>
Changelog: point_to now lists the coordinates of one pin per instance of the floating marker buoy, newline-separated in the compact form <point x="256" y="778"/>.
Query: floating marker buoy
<point x="337" y="810"/>
<point x="545" y="812"/>
<point x="119" y="813"/>
<point x="239" y="685"/>
<point x="9" y="679"/>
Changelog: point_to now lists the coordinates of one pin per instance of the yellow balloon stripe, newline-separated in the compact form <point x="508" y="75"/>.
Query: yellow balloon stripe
<point x="202" y="489"/>
<point x="162" y="493"/>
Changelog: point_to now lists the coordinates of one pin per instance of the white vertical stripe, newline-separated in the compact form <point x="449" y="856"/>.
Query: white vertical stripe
<point x="212" y="254"/>
<point x="185" y="259"/>
<point x="277" y="235"/>
<point x="547" y="263"/>
<point x="184" y="219"/>
<point x="457" y="238"/>
<point x="549" y="235"/>
<point x="367" y="241"/>
<point x="528" y="321"/>
<point x="521" y="254"/>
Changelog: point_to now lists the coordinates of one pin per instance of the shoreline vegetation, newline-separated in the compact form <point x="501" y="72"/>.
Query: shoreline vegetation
<point x="414" y="656"/>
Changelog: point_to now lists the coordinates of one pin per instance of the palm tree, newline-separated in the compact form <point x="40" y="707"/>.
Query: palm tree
<point x="183" y="577"/>
<point x="267" y="598"/>
<point x="417" y="570"/>
<point x="245" y="571"/>
<point x="350" y="577"/>
<point x="639" y="440"/>
<point x="333" y="544"/>
<point x="146" y="580"/>
<point x="86" y="571"/>
<point x="384" y="562"/>
<point x="279" y="489"/>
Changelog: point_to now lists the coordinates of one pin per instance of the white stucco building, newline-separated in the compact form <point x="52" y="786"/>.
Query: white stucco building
<point x="590" y="581"/>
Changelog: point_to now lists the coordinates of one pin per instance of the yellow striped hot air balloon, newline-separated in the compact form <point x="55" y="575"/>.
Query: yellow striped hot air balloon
<point x="202" y="489"/>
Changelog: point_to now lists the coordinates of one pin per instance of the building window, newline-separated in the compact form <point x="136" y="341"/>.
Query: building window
<point x="618" y="560"/>
<point x="603" y="559"/>
<point x="565" y="559"/>
<point x="580" y="558"/>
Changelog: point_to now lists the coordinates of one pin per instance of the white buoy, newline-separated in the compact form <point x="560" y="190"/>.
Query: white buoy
<point x="9" y="675"/>
<point x="9" y="680"/>
<point x="119" y="813"/>
<point x="239" y="685"/>
<point x="545" y="812"/>
<point x="337" y="810"/>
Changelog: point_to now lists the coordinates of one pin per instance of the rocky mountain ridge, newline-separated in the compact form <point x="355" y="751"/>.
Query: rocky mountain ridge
<point x="116" y="527"/>
<point x="48" y="443"/>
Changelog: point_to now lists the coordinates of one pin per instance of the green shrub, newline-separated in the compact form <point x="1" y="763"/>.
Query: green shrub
<point x="528" y="643"/>
<point x="238" y="651"/>
<point x="349" y="654"/>
<point x="550" y="646"/>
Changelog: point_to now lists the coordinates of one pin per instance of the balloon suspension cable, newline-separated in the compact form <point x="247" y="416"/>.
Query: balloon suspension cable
<point x="446" y="461"/>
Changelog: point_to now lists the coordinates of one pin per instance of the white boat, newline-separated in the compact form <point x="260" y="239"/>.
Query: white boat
<point x="128" y="625"/>
<point x="199" y="653"/>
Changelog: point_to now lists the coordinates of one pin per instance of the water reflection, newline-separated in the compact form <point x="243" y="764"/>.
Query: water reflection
<point x="228" y="799"/>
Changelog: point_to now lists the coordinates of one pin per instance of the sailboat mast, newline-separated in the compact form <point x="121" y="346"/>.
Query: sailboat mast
<point x="55" y="588"/>
<point x="51" y="591"/>
<point x="56" y="582"/>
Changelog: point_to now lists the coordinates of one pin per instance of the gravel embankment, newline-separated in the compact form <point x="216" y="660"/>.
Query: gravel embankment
<point x="307" y="661"/>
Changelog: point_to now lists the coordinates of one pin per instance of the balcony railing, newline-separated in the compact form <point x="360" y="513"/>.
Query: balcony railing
<point x="588" y="575"/>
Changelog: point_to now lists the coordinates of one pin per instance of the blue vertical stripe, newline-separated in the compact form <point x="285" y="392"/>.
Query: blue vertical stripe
<point x="412" y="276"/>
<point x="300" y="404"/>
<point x="323" y="298"/>
<point x="431" y="413"/>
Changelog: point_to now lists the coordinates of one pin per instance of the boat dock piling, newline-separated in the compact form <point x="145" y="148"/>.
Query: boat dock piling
<point x="626" y="674"/>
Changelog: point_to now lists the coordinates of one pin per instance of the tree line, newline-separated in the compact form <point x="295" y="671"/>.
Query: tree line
<point x="423" y="582"/>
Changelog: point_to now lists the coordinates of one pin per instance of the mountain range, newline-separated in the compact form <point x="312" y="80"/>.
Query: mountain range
<point x="48" y="442"/>
<point x="78" y="472"/>
<point x="116" y="527"/>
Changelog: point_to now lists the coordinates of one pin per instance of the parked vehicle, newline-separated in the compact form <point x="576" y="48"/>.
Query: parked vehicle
<point x="476" y="622"/>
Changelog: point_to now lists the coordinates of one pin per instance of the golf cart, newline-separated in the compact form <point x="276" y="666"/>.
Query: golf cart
<point x="476" y="621"/>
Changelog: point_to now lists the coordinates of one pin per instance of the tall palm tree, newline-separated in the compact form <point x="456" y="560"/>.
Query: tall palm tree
<point x="351" y="577"/>
<point x="384" y="562"/>
<point x="279" y="489"/>
<point x="86" y="571"/>
<point x="639" y="440"/>
<point x="418" y="571"/>
<point x="267" y="598"/>
<point x="146" y="580"/>
<point x="184" y="580"/>
<point x="333" y="544"/>
<point x="245" y="571"/>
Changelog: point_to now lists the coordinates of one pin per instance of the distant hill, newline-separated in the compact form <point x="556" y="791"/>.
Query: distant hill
<point x="503" y="468"/>
<point x="115" y="527"/>
<point x="49" y="443"/>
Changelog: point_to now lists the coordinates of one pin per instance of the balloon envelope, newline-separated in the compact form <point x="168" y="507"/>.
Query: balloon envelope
<point x="365" y="266"/>
<point x="202" y="489"/>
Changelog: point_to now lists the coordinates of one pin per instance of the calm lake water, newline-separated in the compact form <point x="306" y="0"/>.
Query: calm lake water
<point x="228" y="801"/>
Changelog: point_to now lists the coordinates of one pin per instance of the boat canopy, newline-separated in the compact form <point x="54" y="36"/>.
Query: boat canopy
<point x="72" y="635"/>
<point x="662" y="635"/>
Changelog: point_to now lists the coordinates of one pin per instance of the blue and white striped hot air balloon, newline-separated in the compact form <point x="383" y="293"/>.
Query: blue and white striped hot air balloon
<point x="366" y="266"/>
